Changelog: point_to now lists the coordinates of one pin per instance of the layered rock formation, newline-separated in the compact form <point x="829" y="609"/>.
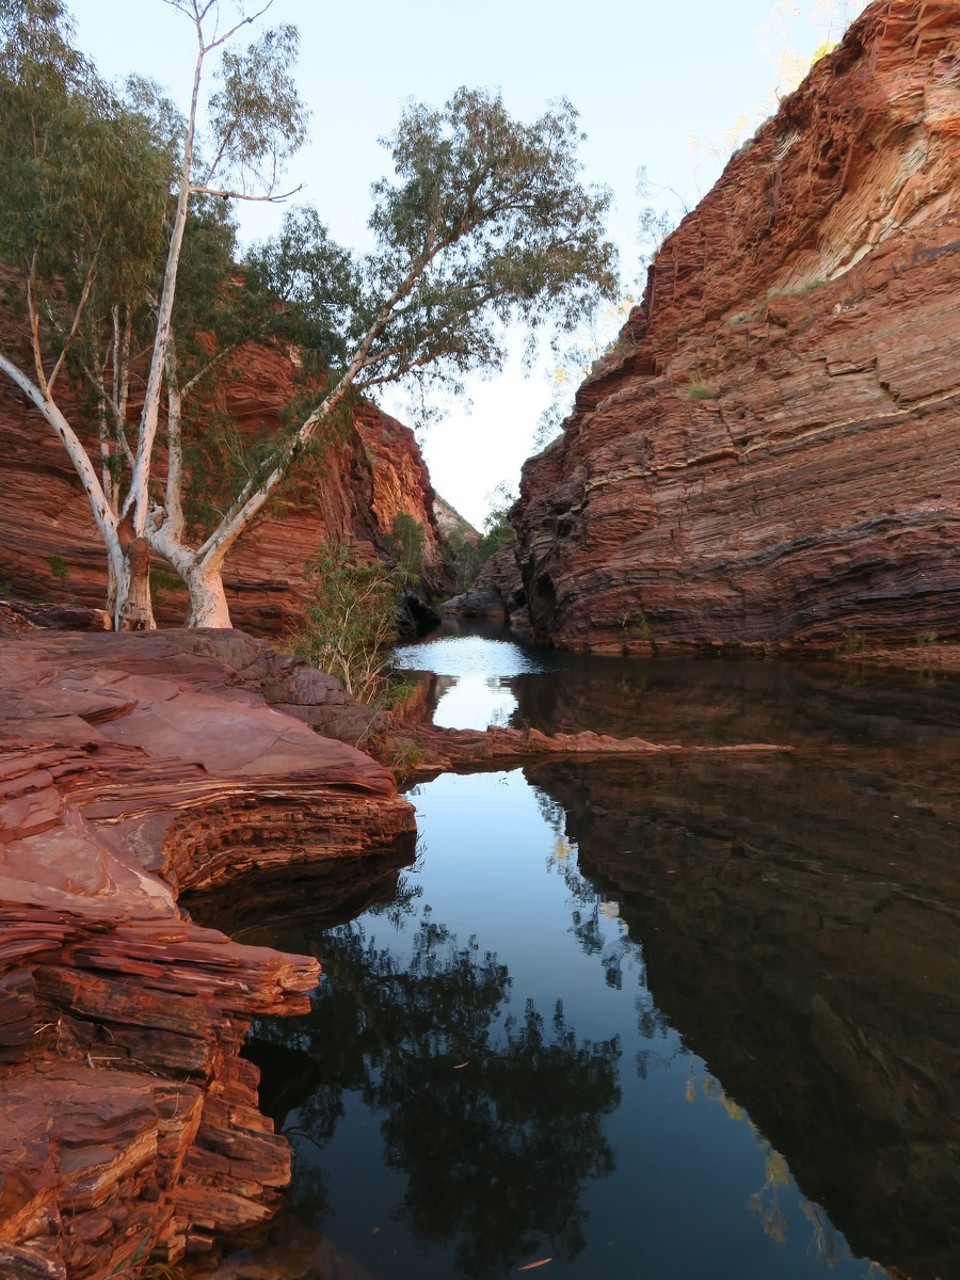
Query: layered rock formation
<point x="48" y="542"/>
<point x="497" y="591"/>
<point x="131" y="768"/>
<point x="771" y="456"/>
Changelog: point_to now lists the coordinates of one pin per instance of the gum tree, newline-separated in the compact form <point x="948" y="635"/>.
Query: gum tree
<point x="93" y="210"/>
<point x="485" y="223"/>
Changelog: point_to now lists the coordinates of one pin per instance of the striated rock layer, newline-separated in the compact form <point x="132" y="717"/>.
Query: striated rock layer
<point x="48" y="542"/>
<point x="132" y="767"/>
<point x="771" y="456"/>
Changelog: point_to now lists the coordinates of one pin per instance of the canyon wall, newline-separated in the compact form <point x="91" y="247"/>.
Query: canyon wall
<point x="48" y="543"/>
<point x="771" y="455"/>
<point x="133" y="768"/>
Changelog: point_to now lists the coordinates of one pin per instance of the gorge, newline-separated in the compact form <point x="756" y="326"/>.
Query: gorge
<point x="752" y="863"/>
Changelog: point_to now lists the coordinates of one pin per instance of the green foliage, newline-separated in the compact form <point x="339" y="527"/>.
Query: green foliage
<point x="486" y="222"/>
<point x="351" y="622"/>
<point x="926" y="639"/>
<point x="586" y="355"/>
<point x="804" y="287"/>
<point x="466" y="553"/>
<point x="58" y="567"/>
<point x="636" y="626"/>
<point x="497" y="529"/>
<point x="162" y="582"/>
<point x="852" y="642"/>
<point x="654" y="225"/>
<point x="405" y="753"/>
<point x="86" y="176"/>
<point x="256" y="117"/>
<point x="700" y="391"/>
<point x="408" y="539"/>
<point x="463" y="558"/>
<point x="139" y="1269"/>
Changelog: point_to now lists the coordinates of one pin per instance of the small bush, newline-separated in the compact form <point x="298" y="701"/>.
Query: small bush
<point x="700" y="391"/>
<point x="852" y="642"/>
<point x="58" y="567"/>
<point x="351" y="622"/>
<point x="804" y="287"/>
<point x="408" y="539"/>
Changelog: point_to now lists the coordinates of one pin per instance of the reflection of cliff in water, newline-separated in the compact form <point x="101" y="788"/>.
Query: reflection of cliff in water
<point x="800" y="921"/>
<point x="724" y="701"/>
<point x="286" y="908"/>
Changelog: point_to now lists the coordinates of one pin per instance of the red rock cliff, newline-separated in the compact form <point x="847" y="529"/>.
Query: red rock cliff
<point x="772" y="454"/>
<point x="48" y="542"/>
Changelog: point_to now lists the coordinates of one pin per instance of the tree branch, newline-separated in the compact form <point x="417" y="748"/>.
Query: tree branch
<point x="35" y="328"/>
<point x="240" y="195"/>
<point x="85" y="294"/>
<point x="102" y="514"/>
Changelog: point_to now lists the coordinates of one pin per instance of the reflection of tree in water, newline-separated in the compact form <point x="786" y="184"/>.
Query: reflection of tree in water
<point x="590" y="914"/>
<point x="495" y="1118"/>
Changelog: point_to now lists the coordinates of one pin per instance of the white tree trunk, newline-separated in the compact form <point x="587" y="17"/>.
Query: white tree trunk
<point x="128" y="556"/>
<point x="134" y="608"/>
<point x="208" y="603"/>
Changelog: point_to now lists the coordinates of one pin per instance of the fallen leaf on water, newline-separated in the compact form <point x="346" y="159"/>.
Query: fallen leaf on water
<point x="529" y="1266"/>
<point x="458" y="1066"/>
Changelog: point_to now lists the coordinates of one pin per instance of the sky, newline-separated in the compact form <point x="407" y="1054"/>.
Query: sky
<point x="667" y="86"/>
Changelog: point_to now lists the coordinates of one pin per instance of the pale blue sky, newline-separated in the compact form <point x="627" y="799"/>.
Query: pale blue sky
<point x="645" y="76"/>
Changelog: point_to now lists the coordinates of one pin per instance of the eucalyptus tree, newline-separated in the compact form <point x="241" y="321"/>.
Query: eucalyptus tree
<point x="485" y="222"/>
<point x="94" y="206"/>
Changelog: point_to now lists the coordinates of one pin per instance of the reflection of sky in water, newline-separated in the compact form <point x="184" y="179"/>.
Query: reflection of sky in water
<point x="474" y="702"/>
<point x="481" y="668"/>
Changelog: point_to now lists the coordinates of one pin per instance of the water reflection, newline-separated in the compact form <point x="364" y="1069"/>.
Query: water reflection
<point x="800" y="923"/>
<point x="683" y="700"/>
<point x="662" y="1017"/>
<point x="493" y="1117"/>
<point x="482" y="664"/>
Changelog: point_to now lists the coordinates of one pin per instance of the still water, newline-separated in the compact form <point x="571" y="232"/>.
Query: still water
<point x="679" y="1018"/>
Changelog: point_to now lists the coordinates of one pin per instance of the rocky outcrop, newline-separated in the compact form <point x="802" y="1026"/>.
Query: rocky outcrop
<point x="497" y="591"/>
<point x="48" y="543"/>
<point x="451" y="523"/>
<point x="771" y="456"/>
<point x="132" y="768"/>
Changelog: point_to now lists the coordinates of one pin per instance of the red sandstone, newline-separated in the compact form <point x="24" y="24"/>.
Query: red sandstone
<point x="131" y="768"/>
<point x="811" y="299"/>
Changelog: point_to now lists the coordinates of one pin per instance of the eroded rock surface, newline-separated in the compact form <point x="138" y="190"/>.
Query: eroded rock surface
<point x="132" y="767"/>
<point x="772" y="454"/>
